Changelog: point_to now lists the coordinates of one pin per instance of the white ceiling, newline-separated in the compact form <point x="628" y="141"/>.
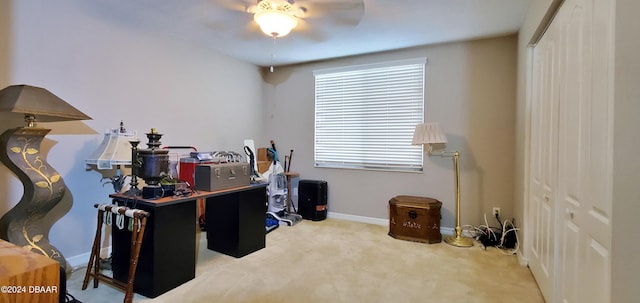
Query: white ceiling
<point x="375" y="25"/>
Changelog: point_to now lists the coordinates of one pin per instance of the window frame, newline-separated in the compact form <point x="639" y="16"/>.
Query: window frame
<point x="357" y="86"/>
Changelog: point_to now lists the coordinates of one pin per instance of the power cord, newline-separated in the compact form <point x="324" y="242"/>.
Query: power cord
<point x="504" y="237"/>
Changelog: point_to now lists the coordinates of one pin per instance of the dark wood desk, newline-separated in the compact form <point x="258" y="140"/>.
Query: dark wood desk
<point x="235" y="223"/>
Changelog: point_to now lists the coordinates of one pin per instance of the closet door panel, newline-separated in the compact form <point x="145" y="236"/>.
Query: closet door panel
<point x="601" y="123"/>
<point x="572" y="161"/>
<point x="584" y="153"/>
<point x="598" y="129"/>
<point x="571" y="264"/>
<point x="543" y="163"/>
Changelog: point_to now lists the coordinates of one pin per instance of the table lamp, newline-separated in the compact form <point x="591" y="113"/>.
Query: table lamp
<point x="430" y="133"/>
<point x="20" y="152"/>
<point x="115" y="150"/>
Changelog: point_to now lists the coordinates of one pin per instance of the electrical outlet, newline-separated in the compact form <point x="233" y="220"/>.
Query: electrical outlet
<point x="496" y="211"/>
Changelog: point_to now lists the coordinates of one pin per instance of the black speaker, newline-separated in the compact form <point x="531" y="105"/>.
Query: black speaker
<point x="312" y="199"/>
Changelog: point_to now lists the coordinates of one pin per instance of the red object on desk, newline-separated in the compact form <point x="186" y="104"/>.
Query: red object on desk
<point x="187" y="169"/>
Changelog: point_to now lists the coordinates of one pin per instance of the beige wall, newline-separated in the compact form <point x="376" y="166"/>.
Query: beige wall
<point x="469" y="89"/>
<point x="625" y="272"/>
<point x="113" y="70"/>
<point x="5" y="36"/>
<point x="6" y="121"/>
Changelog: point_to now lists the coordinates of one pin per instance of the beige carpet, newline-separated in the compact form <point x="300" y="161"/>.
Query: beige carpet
<point x="343" y="261"/>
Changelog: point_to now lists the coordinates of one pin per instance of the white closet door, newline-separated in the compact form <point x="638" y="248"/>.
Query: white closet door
<point x="543" y="165"/>
<point x="572" y="154"/>
<point x="585" y="151"/>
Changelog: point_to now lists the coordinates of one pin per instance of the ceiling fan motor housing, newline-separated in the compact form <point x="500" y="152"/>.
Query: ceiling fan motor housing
<point x="275" y="17"/>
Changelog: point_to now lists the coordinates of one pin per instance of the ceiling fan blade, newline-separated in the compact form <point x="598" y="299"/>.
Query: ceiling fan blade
<point x="340" y="12"/>
<point x="234" y="5"/>
<point x="230" y="19"/>
<point x="308" y="31"/>
<point x="319" y="20"/>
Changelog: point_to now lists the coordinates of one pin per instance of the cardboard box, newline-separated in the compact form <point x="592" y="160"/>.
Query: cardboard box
<point x="263" y="166"/>
<point x="262" y="154"/>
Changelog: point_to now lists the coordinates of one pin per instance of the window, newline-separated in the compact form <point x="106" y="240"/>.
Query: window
<point x="365" y="116"/>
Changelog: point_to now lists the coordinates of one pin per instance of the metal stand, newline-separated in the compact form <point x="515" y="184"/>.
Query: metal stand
<point x="458" y="240"/>
<point x="289" y="216"/>
<point x="135" y="168"/>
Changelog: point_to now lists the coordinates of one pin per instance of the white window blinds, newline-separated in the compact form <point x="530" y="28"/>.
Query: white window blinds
<point x="365" y="116"/>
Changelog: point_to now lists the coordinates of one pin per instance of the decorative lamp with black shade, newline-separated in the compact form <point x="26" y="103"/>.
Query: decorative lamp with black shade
<point x="20" y="152"/>
<point x="430" y="133"/>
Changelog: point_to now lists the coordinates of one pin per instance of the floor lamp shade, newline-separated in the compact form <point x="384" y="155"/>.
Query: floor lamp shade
<point x="20" y="152"/>
<point x="428" y="133"/>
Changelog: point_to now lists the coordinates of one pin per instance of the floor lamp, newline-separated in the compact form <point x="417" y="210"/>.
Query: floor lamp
<point x="20" y="152"/>
<point x="430" y="133"/>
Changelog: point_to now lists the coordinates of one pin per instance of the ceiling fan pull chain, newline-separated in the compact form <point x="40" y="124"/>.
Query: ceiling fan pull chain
<point x="273" y="46"/>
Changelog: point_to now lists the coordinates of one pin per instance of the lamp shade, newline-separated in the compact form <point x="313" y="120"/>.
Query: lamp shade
<point x="427" y="133"/>
<point x="38" y="102"/>
<point x="115" y="149"/>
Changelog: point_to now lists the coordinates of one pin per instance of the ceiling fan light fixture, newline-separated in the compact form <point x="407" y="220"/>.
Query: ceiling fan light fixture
<point x="275" y="18"/>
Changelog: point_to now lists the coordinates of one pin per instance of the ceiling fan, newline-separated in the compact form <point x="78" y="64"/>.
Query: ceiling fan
<point x="312" y="19"/>
<point x="276" y="18"/>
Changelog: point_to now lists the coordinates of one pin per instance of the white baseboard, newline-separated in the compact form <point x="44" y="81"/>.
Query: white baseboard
<point x="361" y="219"/>
<point x="449" y="231"/>
<point x="444" y="230"/>
<point x="524" y="261"/>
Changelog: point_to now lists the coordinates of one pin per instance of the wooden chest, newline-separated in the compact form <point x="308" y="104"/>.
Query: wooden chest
<point x="415" y="219"/>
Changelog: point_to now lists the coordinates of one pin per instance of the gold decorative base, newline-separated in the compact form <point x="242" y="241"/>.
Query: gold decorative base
<point x="458" y="241"/>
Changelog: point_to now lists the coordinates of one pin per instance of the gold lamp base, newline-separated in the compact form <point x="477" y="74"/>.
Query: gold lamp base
<point x="458" y="241"/>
